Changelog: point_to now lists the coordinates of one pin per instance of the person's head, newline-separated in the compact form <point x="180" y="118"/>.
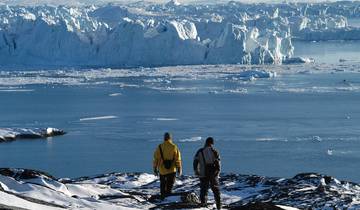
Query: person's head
<point x="167" y="136"/>
<point x="209" y="142"/>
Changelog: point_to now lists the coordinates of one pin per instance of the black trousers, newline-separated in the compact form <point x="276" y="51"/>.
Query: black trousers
<point x="166" y="184"/>
<point x="213" y="183"/>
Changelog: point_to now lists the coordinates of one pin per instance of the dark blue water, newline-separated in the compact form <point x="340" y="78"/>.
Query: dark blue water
<point x="265" y="131"/>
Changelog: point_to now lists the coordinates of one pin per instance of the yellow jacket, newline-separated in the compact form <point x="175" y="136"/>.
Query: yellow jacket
<point x="170" y="152"/>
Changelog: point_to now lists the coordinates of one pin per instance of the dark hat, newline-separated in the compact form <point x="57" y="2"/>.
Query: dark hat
<point x="209" y="141"/>
<point x="167" y="136"/>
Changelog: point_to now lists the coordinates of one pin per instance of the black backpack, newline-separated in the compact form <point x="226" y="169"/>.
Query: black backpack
<point x="211" y="169"/>
<point x="167" y="163"/>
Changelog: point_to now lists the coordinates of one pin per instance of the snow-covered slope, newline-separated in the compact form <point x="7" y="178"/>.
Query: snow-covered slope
<point x="144" y="34"/>
<point x="31" y="189"/>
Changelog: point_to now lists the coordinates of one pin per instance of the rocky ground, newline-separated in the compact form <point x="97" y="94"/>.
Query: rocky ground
<point x="30" y="189"/>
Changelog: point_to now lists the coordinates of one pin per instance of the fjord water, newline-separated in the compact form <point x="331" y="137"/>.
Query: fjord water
<point x="306" y="119"/>
<point x="330" y="52"/>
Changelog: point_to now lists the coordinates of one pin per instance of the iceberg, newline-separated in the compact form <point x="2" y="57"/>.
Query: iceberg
<point x="53" y="36"/>
<point x="150" y="34"/>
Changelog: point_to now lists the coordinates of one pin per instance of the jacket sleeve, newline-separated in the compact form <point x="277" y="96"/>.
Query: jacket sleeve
<point x="196" y="161"/>
<point x="156" y="158"/>
<point x="178" y="158"/>
<point x="217" y="160"/>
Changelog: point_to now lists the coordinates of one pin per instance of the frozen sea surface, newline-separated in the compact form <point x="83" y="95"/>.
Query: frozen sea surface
<point x="267" y="120"/>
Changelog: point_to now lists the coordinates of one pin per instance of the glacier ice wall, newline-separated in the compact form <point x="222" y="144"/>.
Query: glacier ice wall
<point x="144" y="34"/>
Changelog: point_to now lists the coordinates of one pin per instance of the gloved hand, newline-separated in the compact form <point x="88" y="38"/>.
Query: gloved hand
<point x="156" y="172"/>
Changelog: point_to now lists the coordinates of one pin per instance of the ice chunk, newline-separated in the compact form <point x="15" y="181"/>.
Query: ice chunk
<point x="257" y="74"/>
<point x="98" y="118"/>
<point x="296" y="60"/>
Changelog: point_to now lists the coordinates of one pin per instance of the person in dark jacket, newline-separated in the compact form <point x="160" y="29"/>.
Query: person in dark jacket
<point x="207" y="167"/>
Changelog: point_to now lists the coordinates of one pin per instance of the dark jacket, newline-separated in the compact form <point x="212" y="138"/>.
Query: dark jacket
<point x="206" y="155"/>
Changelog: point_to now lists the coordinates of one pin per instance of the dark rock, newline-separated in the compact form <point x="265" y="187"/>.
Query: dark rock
<point x="154" y="198"/>
<point x="6" y="172"/>
<point x="254" y="180"/>
<point x="190" y="198"/>
<point x="257" y="206"/>
<point x="29" y="136"/>
<point x="20" y="174"/>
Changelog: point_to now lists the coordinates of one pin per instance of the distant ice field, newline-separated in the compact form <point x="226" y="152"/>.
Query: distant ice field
<point x="267" y="120"/>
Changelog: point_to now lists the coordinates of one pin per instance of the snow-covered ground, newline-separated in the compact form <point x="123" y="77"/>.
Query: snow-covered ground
<point x="146" y="34"/>
<point x="30" y="189"/>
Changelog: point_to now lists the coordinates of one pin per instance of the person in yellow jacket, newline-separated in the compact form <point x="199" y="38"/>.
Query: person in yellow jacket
<point x="167" y="161"/>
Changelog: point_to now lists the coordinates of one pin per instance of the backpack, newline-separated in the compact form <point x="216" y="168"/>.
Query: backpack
<point x="167" y="163"/>
<point x="211" y="169"/>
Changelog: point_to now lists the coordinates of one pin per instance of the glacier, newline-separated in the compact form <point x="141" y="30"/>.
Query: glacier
<point x="149" y="34"/>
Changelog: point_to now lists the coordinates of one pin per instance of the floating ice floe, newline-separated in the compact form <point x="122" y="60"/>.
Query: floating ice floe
<point x="298" y="60"/>
<point x="329" y="152"/>
<point x="255" y="74"/>
<point x="16" y="90"/>
<point x="165" y="119"/>
<point x="271" y="139"/>
<point x="191" y="139"/>
<point x="317" y="138"/>
<point x="98" y="118"/>
<point x="11" y="134"/>
<point x="115" y="94"/>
